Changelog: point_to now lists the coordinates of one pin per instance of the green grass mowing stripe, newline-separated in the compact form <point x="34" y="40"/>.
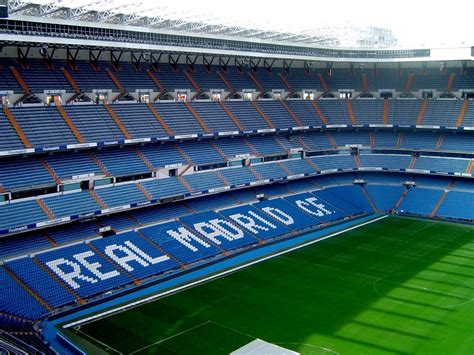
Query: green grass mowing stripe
<point x="322" y="297"/>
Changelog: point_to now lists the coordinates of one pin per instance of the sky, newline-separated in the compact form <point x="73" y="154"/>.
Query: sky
<point x="414" y="23"/>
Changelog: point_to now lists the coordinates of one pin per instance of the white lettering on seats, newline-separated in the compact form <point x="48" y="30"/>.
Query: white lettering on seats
<point x="279" y="215"/>
<point x="132" y="253"/>
<point x="215" y="228"/>
<point x="94" y="267"/>
<point x="69" y="277"/>
<point x="145" y="256"/>
<point x="249" y="222"/>
<point x="184" y="236"/>
<point x="312" y="201"/>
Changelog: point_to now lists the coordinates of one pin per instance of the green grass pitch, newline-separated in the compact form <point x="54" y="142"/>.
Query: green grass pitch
<point x="398" y="286"/>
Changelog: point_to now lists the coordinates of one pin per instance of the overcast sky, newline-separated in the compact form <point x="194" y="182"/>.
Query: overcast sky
<point x="415" y="23"/>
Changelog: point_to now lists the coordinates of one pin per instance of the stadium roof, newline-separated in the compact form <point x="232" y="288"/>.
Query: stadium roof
<point x="196" y="20"/>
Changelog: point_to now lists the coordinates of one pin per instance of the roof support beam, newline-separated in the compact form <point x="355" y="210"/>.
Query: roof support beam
<point x="155" y="59"/>
<point x="287" y="65"/>
<point x="114" y="57"/>
<point x="268" y="64"/>
<point x="71" y="54"/>
<point x="94" y="55"/>
<point x="48" y="55"/>
<point x="136" y="59"/>
<point x="224" y="62"/>
<point x="22" y="55"/>
<point x="254" y="64"/>
<point x="207" y="61"/>
<point x="173" y="60"/>
<point x="191" y="60"/>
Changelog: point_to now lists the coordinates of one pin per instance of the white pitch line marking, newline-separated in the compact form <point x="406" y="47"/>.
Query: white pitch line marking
<point x="171" y="337"/>
<point x="98" y="341"/>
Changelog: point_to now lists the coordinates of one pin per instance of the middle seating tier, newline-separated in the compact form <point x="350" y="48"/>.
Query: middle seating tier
<point x="45" y="126"/>
<point x="19" y="174"/>
<point x="17" y="213"/>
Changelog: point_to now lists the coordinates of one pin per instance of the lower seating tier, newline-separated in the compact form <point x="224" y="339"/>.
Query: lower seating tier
<point x="69" y="275"/>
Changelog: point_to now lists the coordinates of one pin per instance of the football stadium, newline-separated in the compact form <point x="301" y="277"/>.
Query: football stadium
<point x="175" y="183"/>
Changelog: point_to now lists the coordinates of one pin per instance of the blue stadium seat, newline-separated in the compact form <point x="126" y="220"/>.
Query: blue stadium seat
<point x="270" y="171"/>
<point x="298" y="166"/>
<point x="339" y="161"/>
<point x="94" y="123"/>
<point x="138" y="120"/>
<point x="71" y="204"/>
<point x="457" y="204"/>
<point x="277" y="114"/>
<point x="134" y="78"/>
<point x="420" y="200"/>
<point x="9" y="139"/>
<point x="24" y="174"/>
<point x="22" y="244"/>
<point x="120" y="195"/>
<point x="88" y="79"/>
<point x="214" y="116"/>
<point x="384" y="197"/>
<point x="173" y="80"/>
<point x="389" y="161"/>
<point x="43" y="125"/>
<point x="305" y="112"/>
<point x="73" y="232"/>
<point x="158" y="213"/>
<point x="445" y="164"/>
<point x="247" y="115"/>
<point x="368" y="111"/>
<point x="39" y="78"/>
<point x="161" y="155"/>
<point x="69" y="165"/>
<point x="352" y="194"/>
<point x="201" y="152"/>
<point x="203" y="181"/>
<point x="179" y="119"/>
<point x="11" y="291"/>
<point x="207" y="80"/>
<point x="122" y="162"/>
<point x="20" y="214"/>
<point x="162" y="188"/>
<point x="349" y="207"/>
<point x="40" y="281"/>
<point x="265" y="145"/>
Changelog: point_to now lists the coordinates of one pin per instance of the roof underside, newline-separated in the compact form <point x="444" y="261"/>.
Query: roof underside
<point x="172" y="16"/>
